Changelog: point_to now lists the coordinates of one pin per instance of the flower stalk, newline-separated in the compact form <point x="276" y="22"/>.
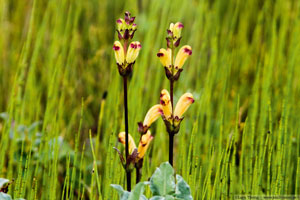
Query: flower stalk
<point x="126" y="55"/>
<point x="173" y="70"/>
<point x="128" y="173"/>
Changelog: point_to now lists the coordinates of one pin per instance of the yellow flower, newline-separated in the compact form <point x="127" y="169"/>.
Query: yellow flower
<point x="177" y="30"/>
<point x="144" y="144"/>
<point x="133" y="52"/>
<point x="165" y="101"/>
<point x="119" y="53"/>
<point x="152" y="115"/>
<point x="165" y="57"/>
<point x="182" y="55"/>
<point x="131" y="143"/>
<point x="183" y="104"/>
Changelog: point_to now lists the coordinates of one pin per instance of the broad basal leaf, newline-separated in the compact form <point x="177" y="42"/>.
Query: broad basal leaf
<point x="162" y="182"/>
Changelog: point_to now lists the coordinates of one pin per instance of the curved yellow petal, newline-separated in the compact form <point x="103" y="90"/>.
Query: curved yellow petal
<point x="131" y="143"/>
<point x="183" y="53"/>
<point x="171" y="27"/>
<point x="152" y="115"/>
<point x="144" y="144"/>
<point x="183" y="104"/>
<point x="133" y="51"/>
<point x="165" y="101"/>
<point x="165" y="57"/>
<point x="119" y="52"/>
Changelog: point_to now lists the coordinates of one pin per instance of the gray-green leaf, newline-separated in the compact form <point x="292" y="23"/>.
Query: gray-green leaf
<point x="137" y="193"/>
<point x="4" y="196"/>
<point x="183" y="190"/>
<point x="162" y="182"/>
<point x="168" y="197"/>
<point x="123" y="195"/>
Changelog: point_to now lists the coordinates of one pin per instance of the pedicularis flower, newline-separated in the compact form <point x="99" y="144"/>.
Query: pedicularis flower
<point x="174" y="33"/>
<point x="172" y="118"/>
<point x="165" y="59"/>
<point x="143" y="144"/>
<point x="126" y="56"/>
<point x="166" y="55"/>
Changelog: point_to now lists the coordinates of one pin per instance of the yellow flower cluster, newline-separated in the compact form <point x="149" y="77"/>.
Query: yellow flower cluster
<point x="143" y="144"/>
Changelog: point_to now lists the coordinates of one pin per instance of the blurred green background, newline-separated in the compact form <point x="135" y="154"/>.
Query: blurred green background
<point x="59" y="83"/>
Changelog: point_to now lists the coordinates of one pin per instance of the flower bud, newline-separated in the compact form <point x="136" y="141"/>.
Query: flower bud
<point x="131" y="143"/>
<point x="133" y="52"/>
<point x="165" y="57"/>
<point x="166" y="103"/>
<point x="121" y="25"/>
<point x="183" y="53"/>
<point x="183" y="104"/>
<point x="152" y="115"/>
<point x="177" y="30"/>
<point x="171" y="27"/>
<point x="119" y="52"/>
<point x="144" y="144"/>
<point x="134" y="27"/>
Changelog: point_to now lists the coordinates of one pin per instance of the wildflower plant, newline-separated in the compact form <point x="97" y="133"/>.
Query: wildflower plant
<point x="173" y="67"/>
<point x="125" y="55"/>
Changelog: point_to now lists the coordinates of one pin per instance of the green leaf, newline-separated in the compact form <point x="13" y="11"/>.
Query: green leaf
<point x="3" y="182"/>
<point x="183" y="190"/>
<point x="4" y="196"/>
<point x="162" y="182"/>
<point x="137" y="193"/>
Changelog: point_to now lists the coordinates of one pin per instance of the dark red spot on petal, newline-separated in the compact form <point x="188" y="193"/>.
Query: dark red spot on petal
<point x="180" y="25"/>
<point x="116" y="48"/>
<point x="188" y="51"/>
<point x="160" y="54"/>
<point x="132" y="45"/>
<point x="191" y="99"/>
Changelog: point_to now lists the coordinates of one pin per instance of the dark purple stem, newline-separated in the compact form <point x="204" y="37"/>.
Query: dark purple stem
<point x="128" y="173"/>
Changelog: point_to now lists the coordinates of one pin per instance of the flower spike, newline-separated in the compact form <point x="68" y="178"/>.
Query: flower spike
<point x="133" y="52"/>
<point x="144" y="144"/>
<point x="183" y="104"/>
<point x="182" y="55"/>
<point x="119" y="53"/>
<point x="132" y="145"/>
<point x="165" y="101"/>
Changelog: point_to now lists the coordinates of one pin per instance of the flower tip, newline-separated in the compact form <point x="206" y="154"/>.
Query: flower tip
<point x="188" y="50"/>
<point x="179" y="25"/>
<point x="119" y="21"/>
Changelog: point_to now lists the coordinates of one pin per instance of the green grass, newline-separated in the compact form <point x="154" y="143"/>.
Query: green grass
<point x="241" y="136"/>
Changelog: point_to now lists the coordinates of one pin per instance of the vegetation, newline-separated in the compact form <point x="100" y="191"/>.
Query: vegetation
<point x="61" y="99"/>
